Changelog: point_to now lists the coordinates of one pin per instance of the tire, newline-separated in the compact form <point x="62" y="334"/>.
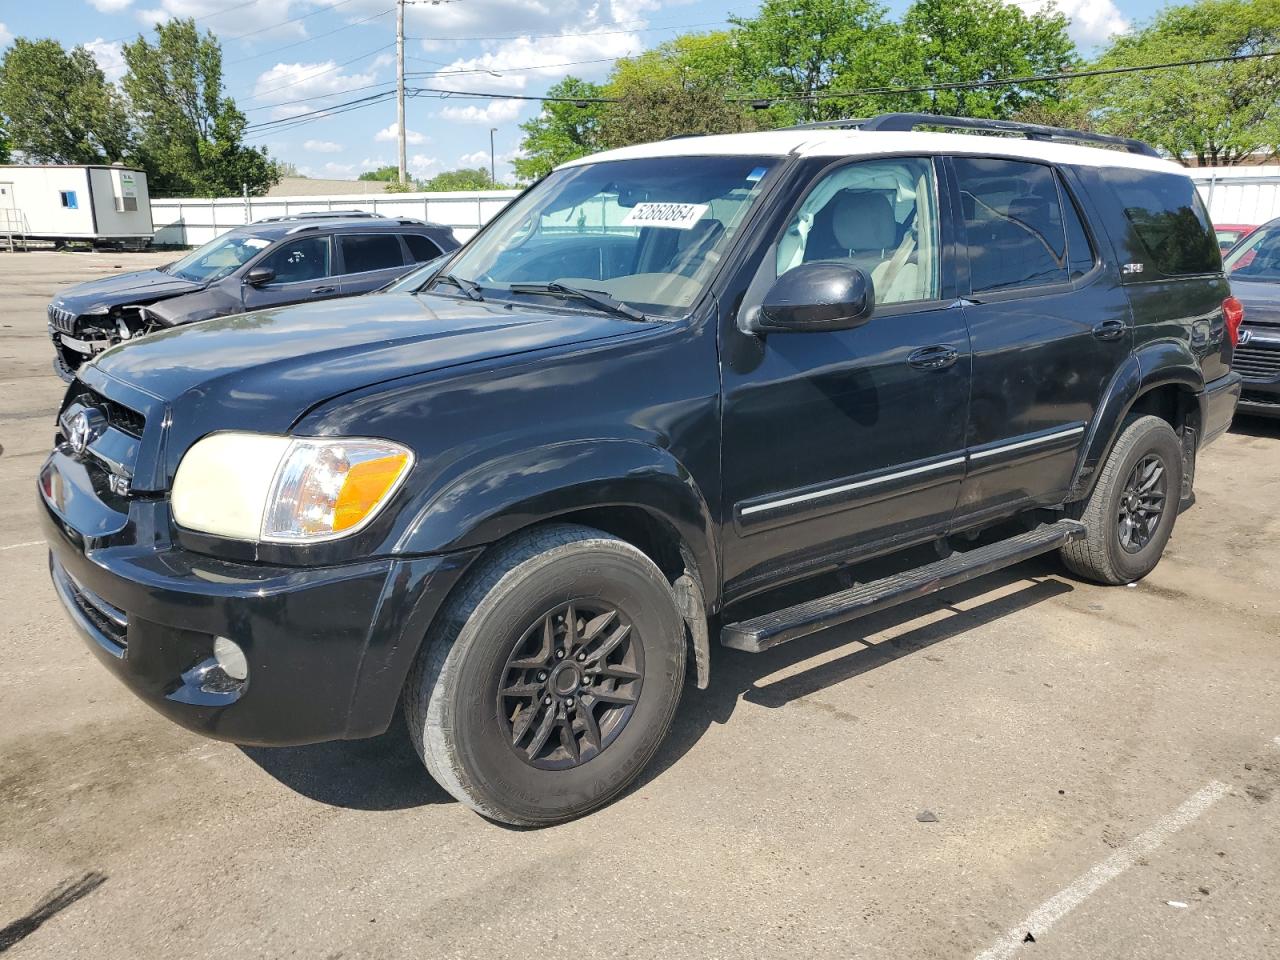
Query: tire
<point x="488" y="637"/>
<point x="1103" y="555"/>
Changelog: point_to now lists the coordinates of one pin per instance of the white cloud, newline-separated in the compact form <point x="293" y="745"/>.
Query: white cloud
<point x="421" y="165"/>
<point x="298" y="81"/>
<point x="478" y="159"/>
<point x="393" y="131"/>
<point x="322" y="146"/>
<point x="494" y="112"/>
<point x="109" y="56"/>
<point x="110" y="6"/>
<point x="1092" y="21"/>
<point x="5" y="35"/>
<point x="339" y="170"/>
<point x="274" y="18"/>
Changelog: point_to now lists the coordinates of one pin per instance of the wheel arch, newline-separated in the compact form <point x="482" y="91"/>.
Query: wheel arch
<point x="1162" y="379"/>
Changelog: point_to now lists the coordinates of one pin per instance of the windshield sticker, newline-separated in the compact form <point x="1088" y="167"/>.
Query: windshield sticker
<point x="256" y="243"/>
<point x="674" y="216"/>
<point x="756" y="174"/>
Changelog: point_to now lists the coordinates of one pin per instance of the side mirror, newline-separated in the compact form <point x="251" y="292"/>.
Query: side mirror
<point x="810" y="298"/>
<point x="259" y="275"/>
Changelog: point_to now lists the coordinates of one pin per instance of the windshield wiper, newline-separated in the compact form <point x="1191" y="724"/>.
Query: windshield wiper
<point x="593" y="297"/>
<point x="468" y="287"/>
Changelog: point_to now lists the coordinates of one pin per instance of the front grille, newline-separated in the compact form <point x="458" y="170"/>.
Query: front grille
<point x="64" y="321"/>
<point x="117" y="414"/>
<point x="1257" y="363"/>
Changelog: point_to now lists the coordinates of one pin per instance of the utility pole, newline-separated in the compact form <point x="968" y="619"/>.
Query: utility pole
<point x="493" y="164"/>
<point x="404" y="174"/>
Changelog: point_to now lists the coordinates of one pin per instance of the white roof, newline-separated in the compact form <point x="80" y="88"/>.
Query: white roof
<point x="852" y="143"/>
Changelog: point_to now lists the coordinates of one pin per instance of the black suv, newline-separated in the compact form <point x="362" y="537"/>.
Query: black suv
<point x="674" y="393"/>
<point x="276" y="261"/>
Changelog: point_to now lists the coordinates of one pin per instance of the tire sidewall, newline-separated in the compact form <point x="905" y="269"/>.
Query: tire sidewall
<point x="1158" y="438"/>
<point x="604" y="569"/>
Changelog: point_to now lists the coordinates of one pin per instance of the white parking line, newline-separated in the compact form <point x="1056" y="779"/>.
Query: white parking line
<point x="1063" y="902"/>
<point x="28" y="543"/>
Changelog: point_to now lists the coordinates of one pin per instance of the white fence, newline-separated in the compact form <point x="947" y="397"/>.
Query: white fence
<point x="1249" y="195"/>
<point x="191" y="221"/>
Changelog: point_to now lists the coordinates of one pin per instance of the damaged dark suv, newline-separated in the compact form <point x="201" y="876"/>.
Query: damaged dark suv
<point x="732" y="389"/>
<point x="269" y="263"/>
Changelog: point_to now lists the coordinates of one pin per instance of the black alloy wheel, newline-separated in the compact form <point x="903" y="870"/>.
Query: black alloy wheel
<point x="1142" y="503"/>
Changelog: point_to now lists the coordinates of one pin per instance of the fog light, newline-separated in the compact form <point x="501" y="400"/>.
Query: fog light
<point x="230" y="658"/>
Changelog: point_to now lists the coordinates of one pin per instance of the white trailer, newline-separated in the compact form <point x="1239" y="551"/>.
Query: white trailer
<point x="58" y="202"/>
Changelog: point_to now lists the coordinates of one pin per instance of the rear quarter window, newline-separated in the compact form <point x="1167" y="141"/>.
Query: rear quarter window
<point x="1165" y="215"/>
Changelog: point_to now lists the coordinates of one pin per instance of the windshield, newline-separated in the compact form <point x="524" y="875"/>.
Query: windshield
<point x="412" y="281"/>
<point x="1257" y="257"/>
<point x="217" y="258"/>
<point x="648" y="232"/>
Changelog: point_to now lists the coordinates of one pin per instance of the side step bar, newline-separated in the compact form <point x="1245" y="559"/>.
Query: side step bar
<point x="791" y="623"/>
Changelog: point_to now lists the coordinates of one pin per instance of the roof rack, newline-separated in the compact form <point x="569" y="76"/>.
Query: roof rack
<point x="323" y="215"/>
<point x="904" y="122"/>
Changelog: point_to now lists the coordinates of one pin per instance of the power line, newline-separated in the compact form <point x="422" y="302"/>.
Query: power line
<point x="580" y="33"/>
<point x="311" y="76"/>
<point x="284" y="23"/>
<point x="318" y="36"/>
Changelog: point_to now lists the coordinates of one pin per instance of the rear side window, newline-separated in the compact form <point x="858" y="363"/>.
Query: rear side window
<point x="420" y="248"/>
<point x="362" y="252"/>
<point x="1171" y="224"/>
<point x="1013" y="224"/>
<point x="1079" y="251"/>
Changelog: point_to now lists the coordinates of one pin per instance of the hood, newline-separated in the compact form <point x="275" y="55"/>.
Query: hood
<point x="138" y="287"/>
<point x="1261" y="301"/>
<point x="261" y="371"/>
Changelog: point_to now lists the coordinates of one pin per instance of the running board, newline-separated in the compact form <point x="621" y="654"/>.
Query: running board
<point x="791" y="623"/>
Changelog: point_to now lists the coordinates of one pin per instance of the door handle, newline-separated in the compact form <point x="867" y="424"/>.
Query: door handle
<point x="936" y="357"/>
<point x="324" y="289"/>
<point x="1109" y="330"/>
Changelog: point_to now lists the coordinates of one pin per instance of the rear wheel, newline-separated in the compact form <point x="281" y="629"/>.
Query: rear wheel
<point x="1131" y="512"/>
<point x="551" y="677"/>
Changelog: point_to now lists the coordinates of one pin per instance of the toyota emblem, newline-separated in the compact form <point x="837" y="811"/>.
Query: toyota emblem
<point x="1244" y="337"/>
<point x="83" y="429"/>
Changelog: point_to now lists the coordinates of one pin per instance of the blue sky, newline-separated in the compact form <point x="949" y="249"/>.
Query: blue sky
<point x="283" y="58"/>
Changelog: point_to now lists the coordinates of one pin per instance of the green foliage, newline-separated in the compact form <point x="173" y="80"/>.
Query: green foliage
<point x="58" y="107"/>
<point x="190" y="137"/>
<point x="676" y="88"/>
<point x="388" y="174"/>
<point x="467" y="178"/>
<point x="948" y="41"/>
<point x="1216" y="113"/>
<point x="561" y="132"/>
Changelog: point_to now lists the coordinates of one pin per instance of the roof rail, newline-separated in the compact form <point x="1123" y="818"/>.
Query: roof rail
<point x="323" y="215"/>
<point x="904" y="122"/>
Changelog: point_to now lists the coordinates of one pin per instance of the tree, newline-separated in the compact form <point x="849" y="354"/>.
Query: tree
<point x="58" y="106"/>
<point x="562" y="131"/>
<point x="286" y="169"/>
<point x="389" y="174"/>
<point x="190" y="135"/>
<point x="951" y="41"/>
<point x="798" y="49"/>
<point x="468" y="178"/>
<point x="677" y="88"/>
<point x="1214" y="113"/>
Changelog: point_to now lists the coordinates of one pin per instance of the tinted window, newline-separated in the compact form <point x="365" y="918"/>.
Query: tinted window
<point x="1169" y="220"/>
<point x="1013" y="222"/>
<point x="362" y="252"/>
<point x="299" y="261"/>
<point x="420" y="248"/>
<point x="1079" y="250"/>
<point x="880" y="216"/>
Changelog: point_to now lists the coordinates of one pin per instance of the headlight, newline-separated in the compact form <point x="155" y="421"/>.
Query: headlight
<point x="285" y="489"/>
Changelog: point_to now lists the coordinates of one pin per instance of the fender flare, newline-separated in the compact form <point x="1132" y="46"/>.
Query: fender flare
<point x="501" y="496"/>
<point x="1158" y="364"/>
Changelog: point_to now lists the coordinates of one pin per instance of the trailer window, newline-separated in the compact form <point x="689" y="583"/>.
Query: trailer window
<point x="69" y="199"/>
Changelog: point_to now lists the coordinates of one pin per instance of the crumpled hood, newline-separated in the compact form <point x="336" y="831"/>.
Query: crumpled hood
<point x="261" y="371"/>
<point x="1261" y="301"/>
<point x="136" y="287"/>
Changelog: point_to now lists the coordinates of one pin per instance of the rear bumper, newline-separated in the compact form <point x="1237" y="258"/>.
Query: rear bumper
<point x="328" y="648"/>
<point x="1218" y="405"/>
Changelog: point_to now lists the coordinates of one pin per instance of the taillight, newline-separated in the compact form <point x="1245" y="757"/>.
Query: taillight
<point x="1233" y="314"/>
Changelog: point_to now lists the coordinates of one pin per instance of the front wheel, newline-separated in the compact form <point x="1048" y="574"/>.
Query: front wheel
<point x="1131" y="511"/>
<point x="551" y="677"/>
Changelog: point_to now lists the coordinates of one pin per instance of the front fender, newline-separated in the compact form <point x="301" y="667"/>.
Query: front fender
<point x="1153" y="365"/>
<point x="501" y="496"/>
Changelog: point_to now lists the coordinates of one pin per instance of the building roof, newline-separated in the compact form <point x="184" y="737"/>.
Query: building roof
<point x="836" y="143"/>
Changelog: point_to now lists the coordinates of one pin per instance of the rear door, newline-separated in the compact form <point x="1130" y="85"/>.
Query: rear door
<point x="1049" y="327"/>
<point x="303" y="271"/>
<point x="369" y="260"/>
